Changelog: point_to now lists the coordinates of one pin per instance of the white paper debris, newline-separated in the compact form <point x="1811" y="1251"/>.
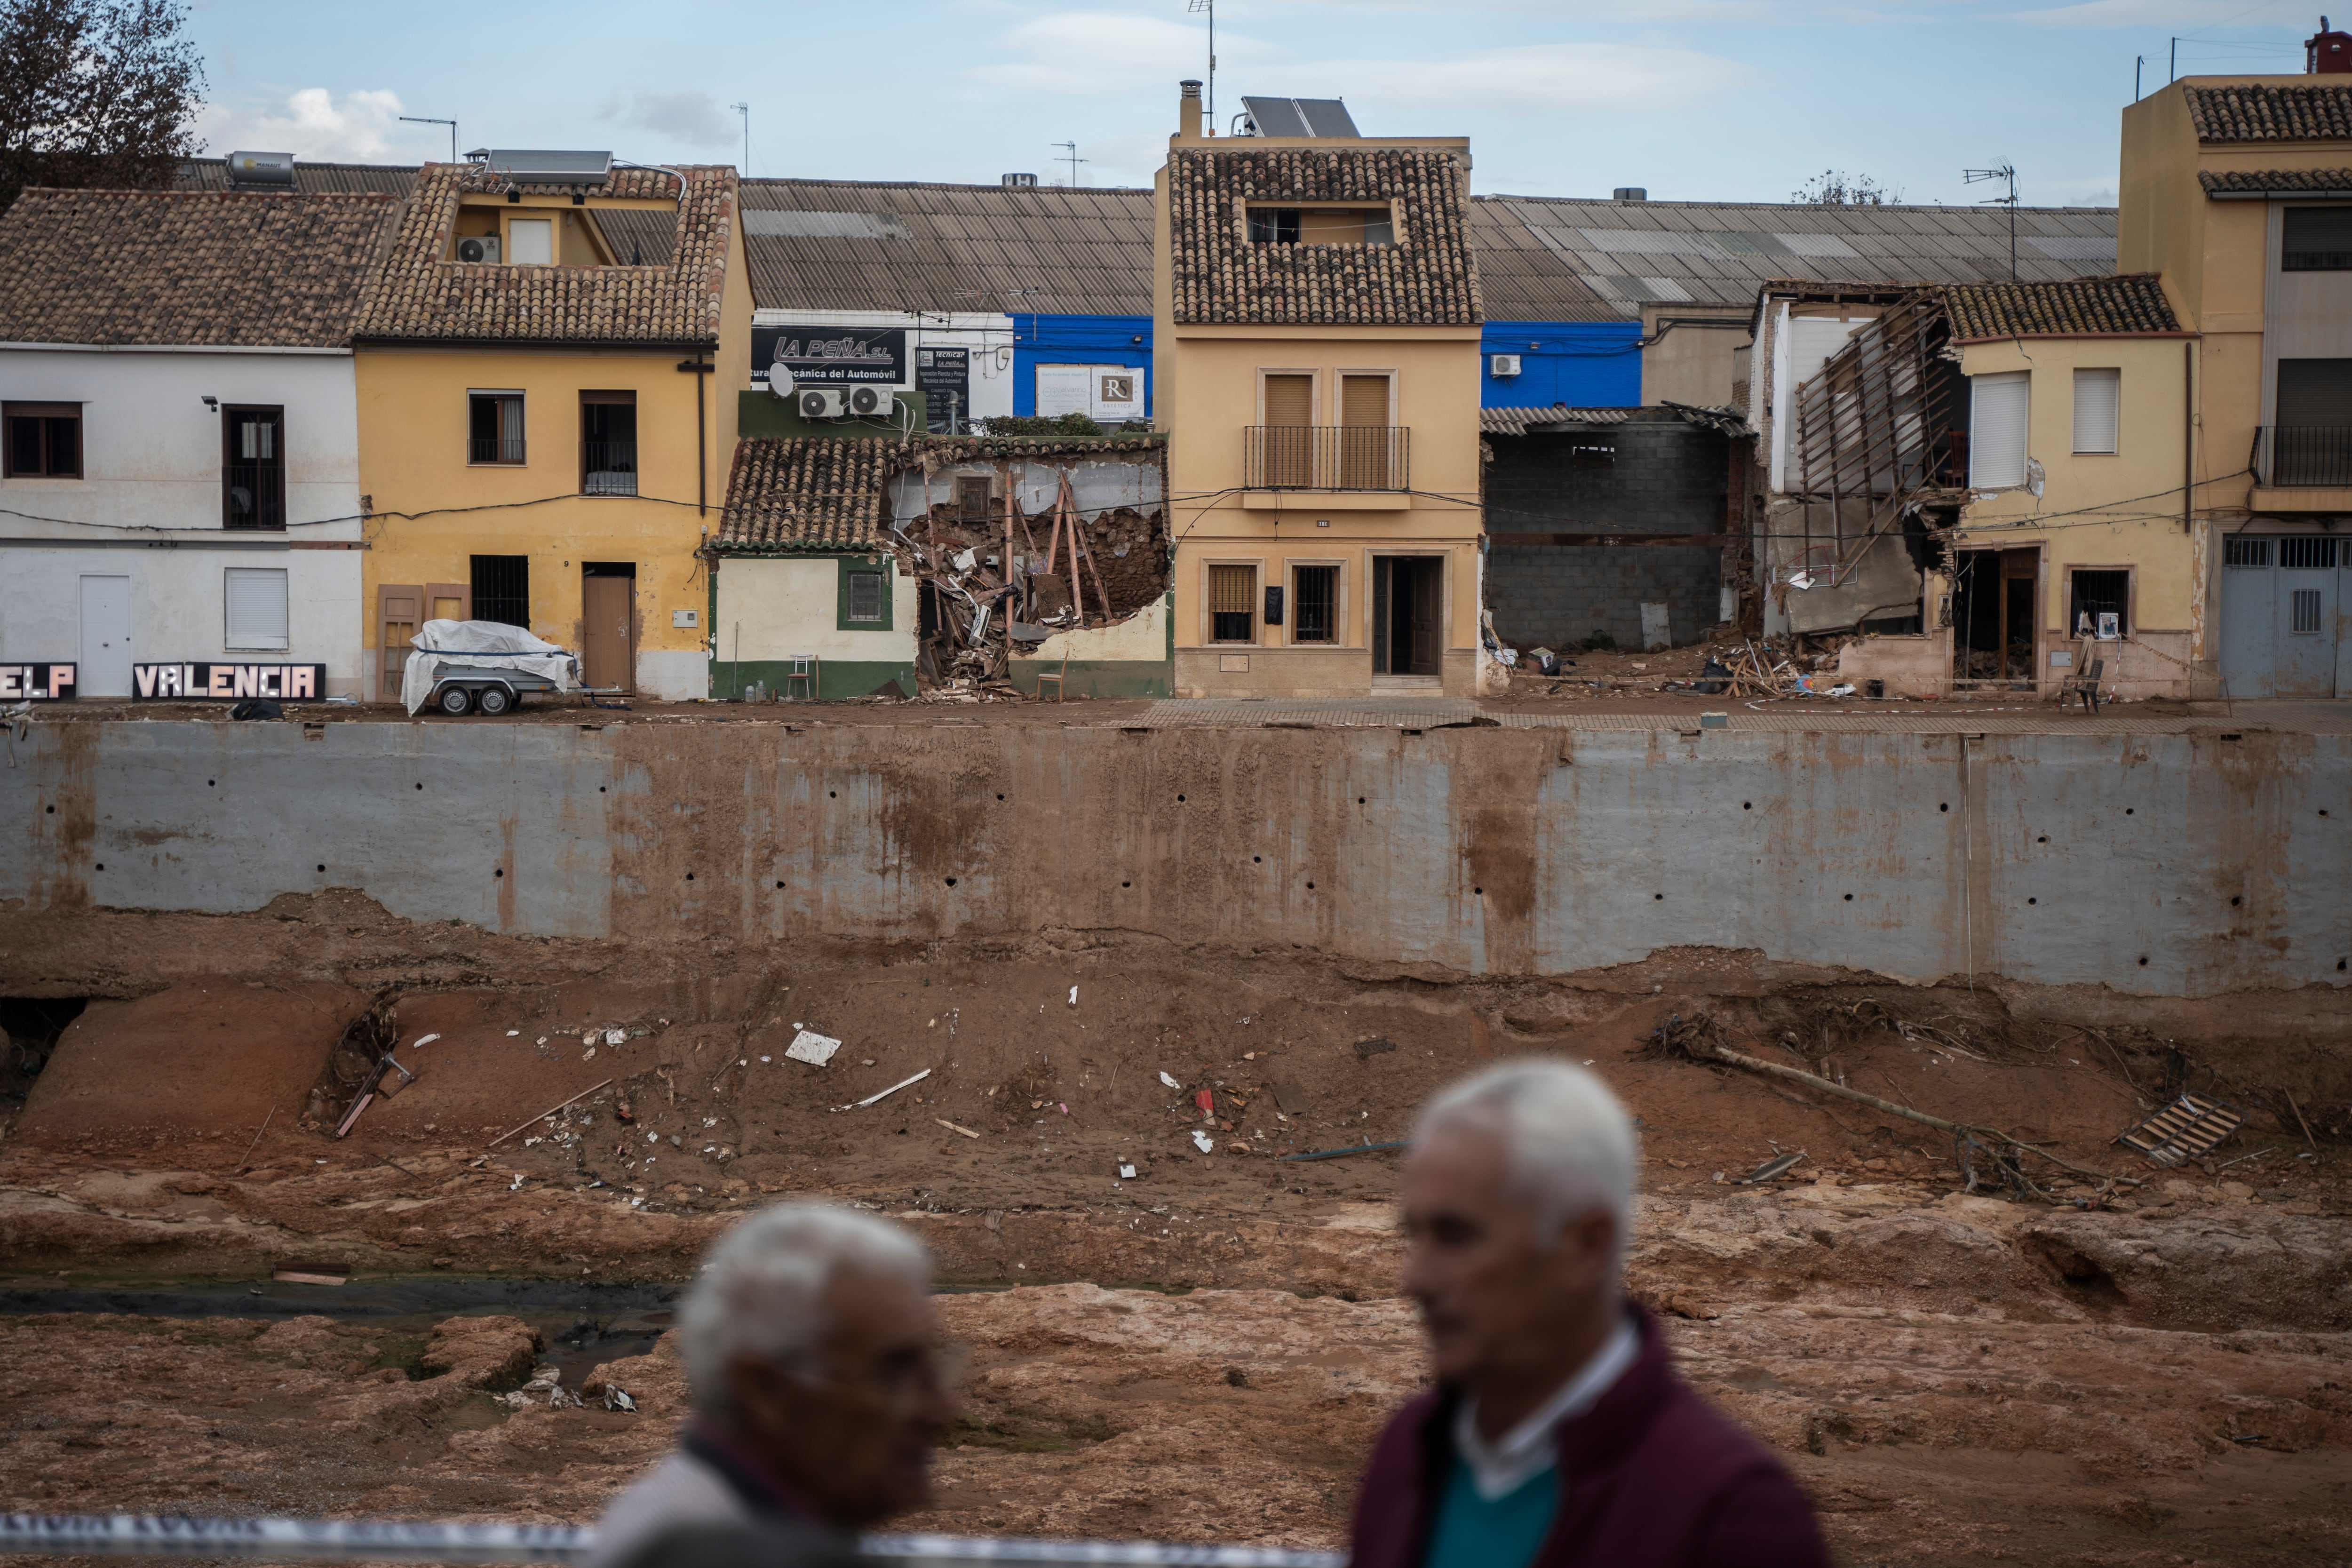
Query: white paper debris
<point x="593" y="1037"/>
<point x="1203" y="1141"/>
<point x="1127" y="1172"/>
<point x="512" y="1032"/>
<point x="589" y="1055"/>
<point x="1169" y="1081"/>
<point x="1074" y="995"/>
<point x="886" y="1094"/>
<point x="810" y="1047"/>
<point x="423" y="1040"/>
<point x="615" y="1036"/>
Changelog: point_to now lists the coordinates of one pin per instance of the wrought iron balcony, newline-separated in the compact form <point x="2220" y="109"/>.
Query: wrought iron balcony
<point x="1325" y="457"/>
<point x="608" y="468"/>
<point x="253" y="495"/>
<point x="2308" y="456"/>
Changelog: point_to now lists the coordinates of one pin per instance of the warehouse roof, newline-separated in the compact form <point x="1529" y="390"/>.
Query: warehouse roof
<point x="187" y="267"/>
<point x="423" y="297"/>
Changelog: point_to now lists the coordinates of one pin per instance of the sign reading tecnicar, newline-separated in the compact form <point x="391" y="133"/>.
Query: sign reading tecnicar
<point x="36" y="682"/>
<point x="832" y="356"/>
<point x="227" y="682"/>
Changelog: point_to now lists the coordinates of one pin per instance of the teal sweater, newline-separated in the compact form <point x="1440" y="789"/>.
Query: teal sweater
<point x="1471" y="1532"/>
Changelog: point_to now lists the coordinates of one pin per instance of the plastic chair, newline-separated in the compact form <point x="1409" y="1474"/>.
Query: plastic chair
<point x="806" y="668"/>
<point x="2084" y="686"/>
<point x="1061" y="679"/>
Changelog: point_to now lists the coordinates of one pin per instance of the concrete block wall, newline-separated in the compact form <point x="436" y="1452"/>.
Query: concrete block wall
<point x="1668" y="477"/>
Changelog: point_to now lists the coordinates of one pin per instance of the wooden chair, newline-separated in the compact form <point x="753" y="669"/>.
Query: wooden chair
<point x="2084" y="682"/>
<point x="806" y="668"/>
<point x="1061" y="679"/>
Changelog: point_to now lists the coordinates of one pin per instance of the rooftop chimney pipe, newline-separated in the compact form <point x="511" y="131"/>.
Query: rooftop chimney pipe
<point x="1630" y="193"/>
<point x="1188" y="111"/>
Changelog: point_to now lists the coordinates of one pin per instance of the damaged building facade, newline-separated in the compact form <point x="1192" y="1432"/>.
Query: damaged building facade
<point x="853" y="566"/>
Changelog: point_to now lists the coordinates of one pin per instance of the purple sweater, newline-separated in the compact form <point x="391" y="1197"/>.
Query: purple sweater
<point x="1651" y="1477"/>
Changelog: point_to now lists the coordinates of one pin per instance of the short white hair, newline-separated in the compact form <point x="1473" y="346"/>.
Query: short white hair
<point x="1570" y="1145"/>
<point x="762" y="1291"/>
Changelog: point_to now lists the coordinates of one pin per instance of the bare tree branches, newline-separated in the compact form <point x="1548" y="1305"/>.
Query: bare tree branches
<point x="95" y="93"/>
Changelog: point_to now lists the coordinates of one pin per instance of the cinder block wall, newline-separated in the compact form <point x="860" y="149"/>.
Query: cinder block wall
<point x="1668" y="477"/>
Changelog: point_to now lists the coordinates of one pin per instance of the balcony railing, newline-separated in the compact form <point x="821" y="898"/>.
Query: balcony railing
<point x="253" y="495"/>
<point x="494" y="449"/>
<point x="2291" y="455"/>
<point x="1325" y="457"/>
<point x="608" y="468"/>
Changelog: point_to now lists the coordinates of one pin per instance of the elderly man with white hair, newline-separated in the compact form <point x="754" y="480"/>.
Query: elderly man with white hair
<point x="819" y="1388"/>
<point x="1559" y="1432"/>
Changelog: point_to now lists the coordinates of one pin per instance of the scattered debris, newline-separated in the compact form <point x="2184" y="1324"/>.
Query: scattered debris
<point x="1769" y="1168"/>
<point x="422" y="1041"/>
<point x="1203" y="1141"/>
<point x="887" y="1092"/>
<point x="617" y="1398"/>
<point x="953" y="1128"/>
<point x="312" y="1274"/>
<point x="1169" y="1081"/>
<point x="1074" y="995"/>
<point x="1375" y="1046"/>
<point x="2188" y="1127"/>
<point x="1357" y="1149"/>
<point x="810" y="1047"/>
<point x="552" y="1109"/>
<point x="1127" y="1172"/>
<point x="1290" y="1097"/>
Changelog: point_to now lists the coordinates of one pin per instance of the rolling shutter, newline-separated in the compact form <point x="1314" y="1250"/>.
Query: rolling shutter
<point x="1998" y="408"/>
<point x="257" y="607"/>
<point x="2098" y="407"/>
<point x="1290" y="400"/>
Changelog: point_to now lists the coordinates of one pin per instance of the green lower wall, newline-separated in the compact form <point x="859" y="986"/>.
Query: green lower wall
<point x="836" y="679"/>
<point x="1100" y="678"/>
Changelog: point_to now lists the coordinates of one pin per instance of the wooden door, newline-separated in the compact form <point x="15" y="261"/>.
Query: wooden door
<point x="2020" y="639"/>
<point x="1428" y="613"/>
<point x="608" y="639"/>
<point x="1364" y="432"/>
<point x="448" y="601"/>
<point x="1289" y="434"/>
<point x="399" y="611"/>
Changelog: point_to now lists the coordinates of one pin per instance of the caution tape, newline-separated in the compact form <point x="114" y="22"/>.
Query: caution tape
<point x="436" y="1541"/>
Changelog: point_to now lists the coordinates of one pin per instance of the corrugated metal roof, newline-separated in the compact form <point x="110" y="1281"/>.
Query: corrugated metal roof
<point x="1516" y="421"/>
<point x="844" y="245"/>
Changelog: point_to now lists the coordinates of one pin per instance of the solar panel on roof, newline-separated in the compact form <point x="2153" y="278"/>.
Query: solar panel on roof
<point x="1277" y="117"/>
<point x="1327" y="117"/>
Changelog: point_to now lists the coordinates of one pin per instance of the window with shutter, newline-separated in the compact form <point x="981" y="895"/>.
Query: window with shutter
<point x="2314" y="393"/>
<point x="255" y="596"/>
<point x="2098" y="406"/>
<point x="1998" y="407"/>
<point x="2316" y="239"/>
<point x="1232" y="614"/>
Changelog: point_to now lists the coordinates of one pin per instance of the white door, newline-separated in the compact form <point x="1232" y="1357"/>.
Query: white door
<point x="105" y="637"/>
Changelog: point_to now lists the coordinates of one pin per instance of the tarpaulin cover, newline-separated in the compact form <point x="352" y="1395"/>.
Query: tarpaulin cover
<point x="480" y="645"/>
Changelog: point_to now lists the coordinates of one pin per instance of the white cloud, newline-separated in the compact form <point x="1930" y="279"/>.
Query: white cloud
<point x="2134" y="13"/>
<point x="361" y="127"/>
<point x="1105" y="53"/>
<point x="692" y="118"/>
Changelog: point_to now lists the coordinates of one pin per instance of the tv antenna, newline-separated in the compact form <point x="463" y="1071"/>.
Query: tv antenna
<point x="745" y="110"/>
<point x="1074" y="160"/>
<point x="2001" y="172"/>
<point x="421" y="119"/>
<point x="1209" y="8"/>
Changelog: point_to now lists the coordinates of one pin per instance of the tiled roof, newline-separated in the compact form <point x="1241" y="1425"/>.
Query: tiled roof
<point x="2266" y="111"/>
<point x="1561" y="258"/>
<point x="2269" y="182"/>
<point x="1516" y="421"/>
<point x="394" y="179"/>
<point x="1427" y="278"/>
<point x="841" y="245"/>
<point x="421" y="297"/>
<point x="825" y="492"/>
<point x="2130" y="304"/>
<point x="187" y="267"/>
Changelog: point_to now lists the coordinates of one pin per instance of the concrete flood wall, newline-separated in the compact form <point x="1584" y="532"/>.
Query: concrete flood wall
<point x="2166" y="864"/>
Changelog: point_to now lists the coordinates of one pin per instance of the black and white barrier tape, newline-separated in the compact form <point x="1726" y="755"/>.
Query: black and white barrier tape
<point x="433" y="1541"/>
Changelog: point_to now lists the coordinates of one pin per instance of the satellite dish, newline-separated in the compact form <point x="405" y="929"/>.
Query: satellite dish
<point x="779" y="380"/>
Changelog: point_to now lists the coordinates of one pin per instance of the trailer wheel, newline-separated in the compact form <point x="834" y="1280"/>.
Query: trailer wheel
<point x="455" y="701"/>
<point x="493" y="700"/>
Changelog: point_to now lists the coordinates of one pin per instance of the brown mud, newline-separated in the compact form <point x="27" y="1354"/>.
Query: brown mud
<point x="2146" y="1368"/>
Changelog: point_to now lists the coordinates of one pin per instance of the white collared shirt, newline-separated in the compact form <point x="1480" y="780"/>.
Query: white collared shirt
<point x="1525" y="1451"/>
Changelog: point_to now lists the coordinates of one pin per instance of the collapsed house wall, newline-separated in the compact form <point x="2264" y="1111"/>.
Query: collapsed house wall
<point x="2161" y="864"/>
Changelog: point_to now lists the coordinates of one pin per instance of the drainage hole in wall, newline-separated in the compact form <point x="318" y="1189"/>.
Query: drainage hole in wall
<point x="101" y="865"/>
<point x="1945" y="806"/>
<point x="2127" y="811"/>
<point x="1126" y="884"/>
<point x="2339" y="966"/>
<point x="1849" y="898"/>
<point x="2323" y="810"/>
<point x="1257" y="859"/>
<point x="53" y="811"/>
<point x="831" y="795"/>
<point x="1310" y="888"/>
<point x="1000" y="797"/>
<point x="1359" y="800"/>
<point x="322" y="867"/>
<point x="1746" y="806"/>
<point x="1658" y="898"/>
<point x="951" y="881"/>
<point x="2143" y="963"/>
<point x="2043" y="839"/>
<point x="2033" y="900"/>
<point x="599" y="788"/>
<point x="1180" y="800"/>
<point x="2235" y="901"/>
<point x="780" y="884"/>
<point x="420" y="786"/>
<point x="499" y="872"/>
<point x="210" y="783"/>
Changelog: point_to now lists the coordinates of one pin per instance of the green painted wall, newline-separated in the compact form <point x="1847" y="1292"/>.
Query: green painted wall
<point x="836" y="679"/>
<point x="1106" y="678"/>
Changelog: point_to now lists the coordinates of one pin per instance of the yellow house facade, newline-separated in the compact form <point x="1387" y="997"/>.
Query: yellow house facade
<point x="2238" y="190"/>
<point x="541" y="440"/>
<point x="1315" y="365"/>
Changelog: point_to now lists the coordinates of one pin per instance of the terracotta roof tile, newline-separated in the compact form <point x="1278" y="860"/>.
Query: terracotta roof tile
<point x="422" y="298"/>
<point x="188" y="268"/>
<point x="2263" y="181"/>
<point x="825" y="492"/>
<point x="2263" y="111"/>
<point x="2129" y="304"/>
<point x="1427" y="278"/>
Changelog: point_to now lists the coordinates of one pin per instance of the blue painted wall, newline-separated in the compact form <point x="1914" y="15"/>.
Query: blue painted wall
<point x="1076" y="340"/>
<point x="1585" y="364"/>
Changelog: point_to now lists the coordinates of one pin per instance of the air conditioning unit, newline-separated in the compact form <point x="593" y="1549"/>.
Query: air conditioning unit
<point x="484" y="248"/>
<point x="873" y="402"/>
<point x="1503" y="365"/>
<point x="824" y="403"/>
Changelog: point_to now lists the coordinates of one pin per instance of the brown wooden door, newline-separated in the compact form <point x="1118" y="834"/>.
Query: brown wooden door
<point x="1428" y="613"/>
<point x="448" y="601"/>
<point x="399" y="611"/>
<point x="1364" y="432"/>
<point x="608" y="640"/>
<point x="1289" y="435"/>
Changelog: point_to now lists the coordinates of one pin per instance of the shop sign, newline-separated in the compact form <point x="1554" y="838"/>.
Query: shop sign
<point x="227" y="682"/>
<point x="832" y="356"/>
<point x="36" y="682"/>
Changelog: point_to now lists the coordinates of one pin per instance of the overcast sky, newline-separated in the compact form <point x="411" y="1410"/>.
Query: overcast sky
<point x="1722" y="99"/>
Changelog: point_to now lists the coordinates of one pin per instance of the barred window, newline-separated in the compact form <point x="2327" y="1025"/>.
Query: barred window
<point x="865" y="596"/>
<point x="1231" y="615"/>
<point x="1318" y="604"/>
<point x="2237" y="551"/>
<point x="2308" y="553"/>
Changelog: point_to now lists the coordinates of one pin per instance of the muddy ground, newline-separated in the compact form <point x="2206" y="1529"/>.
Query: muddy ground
<point x="2151" y="1368"/>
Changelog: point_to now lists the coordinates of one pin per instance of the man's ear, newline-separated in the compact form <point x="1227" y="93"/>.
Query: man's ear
<point x="763" y="1394"/>
<point x="1586" y="1252"/>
